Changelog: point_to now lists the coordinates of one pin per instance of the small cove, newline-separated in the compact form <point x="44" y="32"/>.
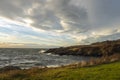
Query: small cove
<point x="27" y="58"/>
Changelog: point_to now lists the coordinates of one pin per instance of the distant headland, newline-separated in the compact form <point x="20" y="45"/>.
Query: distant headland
<point x="99" y="49"/>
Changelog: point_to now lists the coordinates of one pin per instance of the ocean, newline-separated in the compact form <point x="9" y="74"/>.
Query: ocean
<point x="27" y="58"/>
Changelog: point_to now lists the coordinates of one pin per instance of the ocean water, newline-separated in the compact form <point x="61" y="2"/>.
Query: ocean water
<point x="27" y="58"/>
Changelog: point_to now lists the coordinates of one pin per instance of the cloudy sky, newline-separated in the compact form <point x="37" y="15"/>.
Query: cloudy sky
<point x="55" y="23"/>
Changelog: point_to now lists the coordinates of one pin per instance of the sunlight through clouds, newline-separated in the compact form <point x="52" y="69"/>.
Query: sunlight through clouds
<point x="58" y="22"/>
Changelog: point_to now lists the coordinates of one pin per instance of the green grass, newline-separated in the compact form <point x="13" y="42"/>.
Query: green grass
<point x="101" y="72"/>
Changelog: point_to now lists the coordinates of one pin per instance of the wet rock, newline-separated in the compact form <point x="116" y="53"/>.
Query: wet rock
<point x="9" y="68"/>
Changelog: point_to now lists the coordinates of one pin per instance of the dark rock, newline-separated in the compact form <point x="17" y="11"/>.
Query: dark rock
<point x="105" y="48"/>
<point x="9" y="68"/>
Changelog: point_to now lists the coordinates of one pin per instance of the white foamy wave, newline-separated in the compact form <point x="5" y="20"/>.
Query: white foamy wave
<point x="41" y="51"/>
<point x="53" y="66"/>
<point x="49" y="53"/>
<point x="27" y="58"/>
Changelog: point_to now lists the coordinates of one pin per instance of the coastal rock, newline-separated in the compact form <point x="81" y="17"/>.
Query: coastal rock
<point x="9" y="68"/>
<point x="105" y="48"/>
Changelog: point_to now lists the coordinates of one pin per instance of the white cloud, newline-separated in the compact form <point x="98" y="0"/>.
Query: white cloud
<point x="80" y="20"/>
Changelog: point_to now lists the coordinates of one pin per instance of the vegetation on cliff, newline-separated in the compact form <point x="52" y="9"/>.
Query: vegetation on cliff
<point x="105" y="48"/>
<point x="105" y="67"/>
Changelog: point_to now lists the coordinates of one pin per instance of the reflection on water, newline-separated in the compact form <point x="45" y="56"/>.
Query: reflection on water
<point x="26" y="58"/>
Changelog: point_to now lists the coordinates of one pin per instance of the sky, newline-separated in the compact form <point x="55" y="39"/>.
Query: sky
<point x="57" y="23"/>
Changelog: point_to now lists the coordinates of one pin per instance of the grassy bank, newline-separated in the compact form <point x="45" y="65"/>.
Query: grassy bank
<point x="100" y="72"/>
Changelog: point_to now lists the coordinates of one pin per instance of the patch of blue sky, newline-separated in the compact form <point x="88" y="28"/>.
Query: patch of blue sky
<point x="5" y="30"/>
<point x="21" y="30"/>
<point x="27" y="34"/>
<point x="28" y="31"/>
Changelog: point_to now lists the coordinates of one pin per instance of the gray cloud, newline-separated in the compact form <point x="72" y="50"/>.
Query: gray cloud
<point x="103" y="12"/>
<point x="74" y="16"/>
<point x="9" y="9"/>
<point x="46" y="14"/>
<point x="102" y="38"/>
<point x="66" y="16"/>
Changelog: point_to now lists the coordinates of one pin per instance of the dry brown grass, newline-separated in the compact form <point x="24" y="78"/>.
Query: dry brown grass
<point x="96" y="61"/>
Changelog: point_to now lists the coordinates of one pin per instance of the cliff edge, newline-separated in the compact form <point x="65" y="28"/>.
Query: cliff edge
<point x="105" y="48"/>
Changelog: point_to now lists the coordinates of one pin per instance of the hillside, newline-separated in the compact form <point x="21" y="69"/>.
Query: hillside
<point x="100" y="72"/>
<point x="105" y="48"/>
<point x="106" y="67"/>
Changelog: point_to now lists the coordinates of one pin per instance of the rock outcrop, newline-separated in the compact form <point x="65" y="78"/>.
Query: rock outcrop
<point x="9" y="68"/>
<point x="105" y="48"/>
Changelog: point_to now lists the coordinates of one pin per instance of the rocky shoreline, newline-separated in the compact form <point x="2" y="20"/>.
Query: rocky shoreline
<point x="92" y="62"/>
<point x="9" y="68"/>
<point x="98" y="49"/>
<point x="107" y="52"/>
